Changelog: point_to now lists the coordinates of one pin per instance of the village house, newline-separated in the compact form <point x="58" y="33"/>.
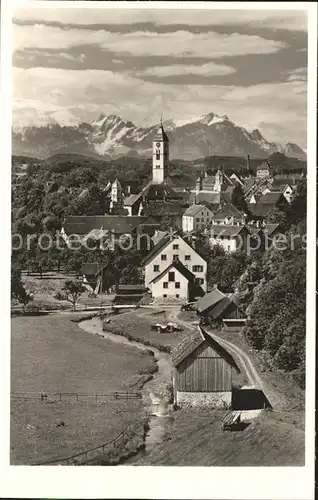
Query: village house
<point x="202" y="372"/>
<point x="111" y="228"/>
<point x="169" y="249"/>
<point x="196" y="218"/>
<point x="265" y="205"/>
<point x="230" y="238"/>
<point x="229" y="214"/>
<point x="175" y="281"/>
<point x="220" y="310"/>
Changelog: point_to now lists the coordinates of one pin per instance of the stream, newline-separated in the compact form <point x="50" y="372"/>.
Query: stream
<point x="159" y="411"/>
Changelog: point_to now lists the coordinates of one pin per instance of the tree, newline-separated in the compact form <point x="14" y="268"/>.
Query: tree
<point x="71" y="292"/>
<point x="18" y="290"/>
<point x="238" y="199"/>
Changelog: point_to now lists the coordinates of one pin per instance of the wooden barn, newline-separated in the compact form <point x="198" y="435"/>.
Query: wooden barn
<point x="202" y="372"/>
<point x="220" y="310"/>
<point x="129" y="294"/>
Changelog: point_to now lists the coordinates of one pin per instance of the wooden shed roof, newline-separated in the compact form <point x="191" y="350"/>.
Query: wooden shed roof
<point x="193" y="341"/>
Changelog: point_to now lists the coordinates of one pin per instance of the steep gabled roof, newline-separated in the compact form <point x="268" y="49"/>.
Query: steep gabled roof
<point x="161" y="135"/>
<point x="176" y="264"/>
<point x="194" y="209"/>
<point x="131" y="200"/>
<point x="189" y="344"/>
<point x="270" y="228"/>
<point x="260" y="209"/>
<point x="209" y="300"/>
<point x="272" y="198"/>
<point x="228" y="210"/>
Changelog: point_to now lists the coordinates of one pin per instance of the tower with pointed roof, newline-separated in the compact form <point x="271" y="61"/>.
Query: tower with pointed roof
<point x="160" y="155"/>
<point x="116" y="194"/>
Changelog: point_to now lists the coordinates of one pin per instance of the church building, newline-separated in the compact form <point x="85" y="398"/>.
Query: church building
<point x="158" y="198"/>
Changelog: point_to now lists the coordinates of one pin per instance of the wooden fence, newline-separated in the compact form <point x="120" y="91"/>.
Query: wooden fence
<point x="75" y="396"/>
<point x="91" y="454"/>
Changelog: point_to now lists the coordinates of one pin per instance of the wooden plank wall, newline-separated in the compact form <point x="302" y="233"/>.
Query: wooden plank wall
<point x="204" y="371"/>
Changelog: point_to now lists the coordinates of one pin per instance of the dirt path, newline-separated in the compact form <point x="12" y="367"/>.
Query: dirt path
<point x="241" y="357"/>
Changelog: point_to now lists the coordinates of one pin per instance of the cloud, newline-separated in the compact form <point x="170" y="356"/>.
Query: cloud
<point x="145" y="43"/>
<point x="208" y="69"/>
<point x="295" y="20"/>
<point x="41" y="93"/>
<point x="299" y="74"/>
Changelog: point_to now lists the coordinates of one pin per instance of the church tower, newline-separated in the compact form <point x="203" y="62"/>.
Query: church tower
<point x="219" y="181"/>
<point x="116" y="194"/>
<point x="160" y="156"/>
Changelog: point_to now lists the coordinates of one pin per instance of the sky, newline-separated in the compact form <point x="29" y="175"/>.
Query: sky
<point x="72" y="64"/>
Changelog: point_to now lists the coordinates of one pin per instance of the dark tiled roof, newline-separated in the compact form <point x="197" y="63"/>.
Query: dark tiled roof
<point x="228" y="210"/>
<point x="219" y="308"/>
<point x="131" y="288"/>
<point x="209" y="300"/>
<point x="260" y="209"/>
<point x="193" y="210"/>
<point x="270" y="228"/>
<point x="227" y="230"/>
<point x="213" y="198"/>
<point x="272" y="198"/>
<point x="162" y="243"/>
<point x="119" y="224"/>
<point x="176" y="264"/>
<point x="164" y="208"/>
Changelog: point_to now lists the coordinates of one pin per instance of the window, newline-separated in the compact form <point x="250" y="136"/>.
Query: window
<point x="157" y="155"/>
<point x="228" y="248"/>
<point x="197" y="219"/>
<point x="177" y="284"/>
<point x="221" y="237"/>
<point x="171" y="276"/>
<point x="197" y="269"/>
<point x="163" y="256"/>
<point x="157" y="166"/>
<point x="175" y="247"/>
<point x="156" y="268"/>
<point x="165" y="284"/>
<point x="187" y="257"/>
<point x="177" y="295"/>
<point x="164" y="295"/>
<point x="175" y="257"/>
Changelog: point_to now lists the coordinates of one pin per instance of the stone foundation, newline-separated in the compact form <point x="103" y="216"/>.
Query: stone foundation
<point x="220" y="400"/>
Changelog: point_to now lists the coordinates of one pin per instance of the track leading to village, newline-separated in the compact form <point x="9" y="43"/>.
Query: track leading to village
<point x="244" y="361"/>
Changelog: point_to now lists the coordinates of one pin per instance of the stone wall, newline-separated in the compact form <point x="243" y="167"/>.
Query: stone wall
<point x="220" y="400"/>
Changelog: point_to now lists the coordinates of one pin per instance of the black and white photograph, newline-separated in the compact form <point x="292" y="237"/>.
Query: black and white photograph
<point x="163" y="180"/>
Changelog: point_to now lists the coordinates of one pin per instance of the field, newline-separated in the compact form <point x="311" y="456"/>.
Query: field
<point x="52" y="354"/>
<point x="196" y="438"/>
<point x="137" y="325"/>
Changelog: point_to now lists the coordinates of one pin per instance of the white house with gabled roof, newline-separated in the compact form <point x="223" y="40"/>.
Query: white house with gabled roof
<point x="173" y="248"/>
<point x="196" y="218"/>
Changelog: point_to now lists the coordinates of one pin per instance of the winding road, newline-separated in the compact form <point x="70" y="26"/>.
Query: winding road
<point x="244" y="361"/>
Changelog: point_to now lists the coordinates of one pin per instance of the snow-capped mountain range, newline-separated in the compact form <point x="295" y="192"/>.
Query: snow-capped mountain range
<point x="111" y="137"/>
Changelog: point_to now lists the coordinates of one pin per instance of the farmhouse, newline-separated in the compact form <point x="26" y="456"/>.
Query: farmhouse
<point x="176" y="281"/>
<point x="202" y="374"/>
<point x="108" y="227"/>
<point x="231" y="238"/>
<point x="169" y="249"/>
<point x="229" y="214"/>
<point x="195" y="218"/>
<point x="129" y="294"/>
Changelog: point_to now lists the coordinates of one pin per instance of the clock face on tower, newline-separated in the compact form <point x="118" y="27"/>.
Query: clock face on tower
<point x="158" y="144"/>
